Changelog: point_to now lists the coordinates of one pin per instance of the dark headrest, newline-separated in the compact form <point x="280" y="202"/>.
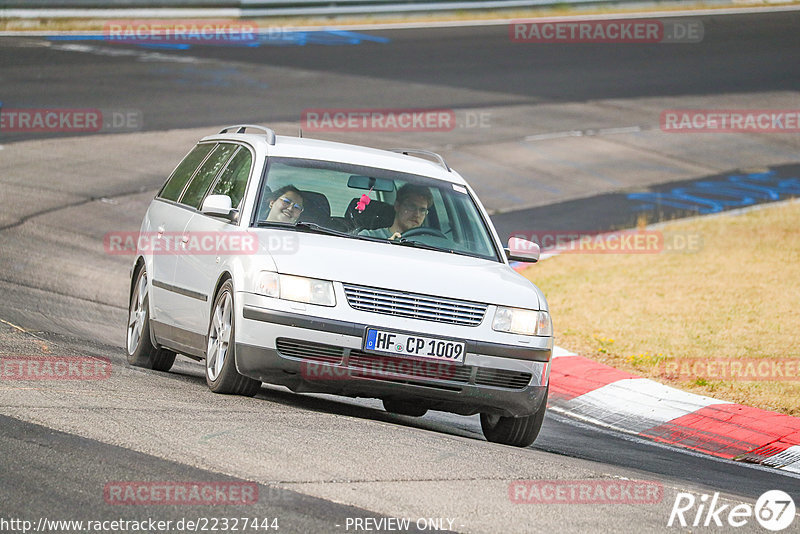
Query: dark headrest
<point x="317" y="209"/>
<point x="377" y="214"/>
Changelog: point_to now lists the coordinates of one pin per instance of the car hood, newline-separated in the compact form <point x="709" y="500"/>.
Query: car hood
<point x="403" y="268"/>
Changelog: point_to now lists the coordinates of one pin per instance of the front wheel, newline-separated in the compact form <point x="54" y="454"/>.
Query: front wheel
<point x="140" y="348"/>
<point x="221" y="373"/>
<point x="514" y="431"/>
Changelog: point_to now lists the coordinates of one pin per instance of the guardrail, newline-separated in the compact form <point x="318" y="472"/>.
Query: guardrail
<point x="258" y="8"/>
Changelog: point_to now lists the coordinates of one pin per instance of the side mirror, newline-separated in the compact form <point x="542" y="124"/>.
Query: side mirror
<point x="219" y="206"/>
<point x="522" y="250"/>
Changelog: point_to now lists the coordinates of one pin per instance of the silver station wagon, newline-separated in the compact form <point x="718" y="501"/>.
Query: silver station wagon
<point x="332" y="268"/>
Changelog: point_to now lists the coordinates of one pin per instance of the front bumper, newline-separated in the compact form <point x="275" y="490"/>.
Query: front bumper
<point x="323" y="355"/>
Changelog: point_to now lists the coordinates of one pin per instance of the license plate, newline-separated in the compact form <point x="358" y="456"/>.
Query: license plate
<point x="413" y="345"/>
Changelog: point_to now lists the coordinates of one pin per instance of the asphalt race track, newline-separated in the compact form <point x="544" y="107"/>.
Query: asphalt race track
<point x="549" y="135"/>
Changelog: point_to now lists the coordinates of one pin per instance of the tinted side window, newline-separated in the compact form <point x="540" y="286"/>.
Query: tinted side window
<point x="172" y="189"/>
<point x="206" y="174"/>
<point x="233" y="180"/>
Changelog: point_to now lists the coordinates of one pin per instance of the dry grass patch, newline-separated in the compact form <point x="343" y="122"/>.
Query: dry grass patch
<point x="737" y="297"/>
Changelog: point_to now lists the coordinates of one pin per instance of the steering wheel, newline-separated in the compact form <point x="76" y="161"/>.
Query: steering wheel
<point x="424" y="231"/>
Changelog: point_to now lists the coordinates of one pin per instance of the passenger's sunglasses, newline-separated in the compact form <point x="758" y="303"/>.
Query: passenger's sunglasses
<point x="288" y="203"/>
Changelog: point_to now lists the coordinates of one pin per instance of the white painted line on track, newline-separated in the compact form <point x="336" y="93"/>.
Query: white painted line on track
<point x="553" y="135"/>
<point x="620" y="130"/>
<point x="584" y="133"/>
<point x="123" y="52"/>
<point x="637" y="404"/>
<point x="566" y="416"/>
<point x="559" y="351"/>
<point x="788" y="460"/>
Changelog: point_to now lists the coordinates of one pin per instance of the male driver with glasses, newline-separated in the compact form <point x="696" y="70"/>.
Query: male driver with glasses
<point x="410" y="209"/>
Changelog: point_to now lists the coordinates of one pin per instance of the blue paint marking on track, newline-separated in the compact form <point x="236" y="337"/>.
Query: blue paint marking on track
<point x="272" y="38"/>
<point x="320" y="37"/>
<point x="166" y="46"/>
<point x="736" y="190"/>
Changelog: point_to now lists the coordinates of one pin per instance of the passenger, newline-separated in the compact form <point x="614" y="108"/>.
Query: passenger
<point x="285" y="205"/>
<point x="410" y="209"/>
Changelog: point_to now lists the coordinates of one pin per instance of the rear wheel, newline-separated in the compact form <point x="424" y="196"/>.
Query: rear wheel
<point x="514" y="431"/>
<point x="140" y="348"/>
<point x="414" y="409"/>
<point x="221" y="373"/>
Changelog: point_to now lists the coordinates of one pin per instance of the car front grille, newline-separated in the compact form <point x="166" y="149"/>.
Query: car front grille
<point x="419" y="372"/>
<point x="305" y="350"/>
<point x="414" y="305"/>
<point x="501" y="378"/>
<point x="391" y="367"/>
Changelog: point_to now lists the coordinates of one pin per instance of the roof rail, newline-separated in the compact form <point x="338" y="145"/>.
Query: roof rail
<point x="241" y="128"/>
<point x="419" y="152"/>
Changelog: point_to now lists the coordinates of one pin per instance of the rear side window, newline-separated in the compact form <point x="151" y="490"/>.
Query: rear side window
<point x="172" y="189"/>
<point x="206" y="174"/>
<point x="233" y="180"/>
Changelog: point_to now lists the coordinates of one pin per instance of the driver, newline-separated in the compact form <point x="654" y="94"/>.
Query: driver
<point x="410" y="209"/>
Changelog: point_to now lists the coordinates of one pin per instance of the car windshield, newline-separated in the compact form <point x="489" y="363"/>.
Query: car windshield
<point x="372" y="204"/>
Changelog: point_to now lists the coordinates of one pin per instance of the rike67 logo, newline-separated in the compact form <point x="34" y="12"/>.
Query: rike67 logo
<point x="774" y="510"/>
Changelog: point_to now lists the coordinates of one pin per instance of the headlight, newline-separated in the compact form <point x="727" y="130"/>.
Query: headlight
<point x="296" y="288"/>
<point x="521" y="321"/>
<point x="267" y="284"/>
<point x="307" y="290"/>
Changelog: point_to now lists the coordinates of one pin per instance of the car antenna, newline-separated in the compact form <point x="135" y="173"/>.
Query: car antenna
<point x="301" y="133"/>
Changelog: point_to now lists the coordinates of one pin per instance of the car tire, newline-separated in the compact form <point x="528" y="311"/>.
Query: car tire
<point x="221" y="373"/>
<point x="140" y="349"/>
<point x="411" y="408"/>
<point x="514" y="431"/>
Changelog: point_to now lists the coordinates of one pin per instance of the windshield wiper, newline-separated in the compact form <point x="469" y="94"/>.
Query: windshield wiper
<point x="274" y="224"/>
<point x="314" y="227"/>
<point x="306" y="226"/>
<point x="411" y="243"/>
